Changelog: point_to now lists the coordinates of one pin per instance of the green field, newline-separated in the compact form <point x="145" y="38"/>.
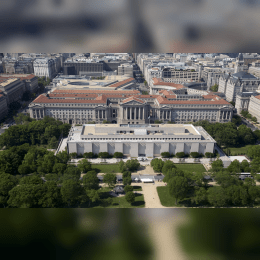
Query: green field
<point x="191" y="167"/>
<point x="106" y="168"/>
<point x="239" y="150"/>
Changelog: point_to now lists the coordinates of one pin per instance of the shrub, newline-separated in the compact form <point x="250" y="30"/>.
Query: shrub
<point x="118" y="155"/>
<point x="89" y="155"/>
<point x="104" y="155"/>
<point x="209" y="155"/>
<point x="180" y="155"/>
<point x="194" y="154"/>
<point x="165" y="155"/>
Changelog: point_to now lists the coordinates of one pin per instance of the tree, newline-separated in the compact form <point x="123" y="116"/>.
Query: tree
<point x="84" y="165"/>
<point x="253" y="151"/>
<point x="52" y="177"/>
<point x="59" y="168"/>
<point x="200" y="196"/>
<point x="257" y="134"/>
<point x="253" y="192"/>
<point x="130" y="197"/>
<point x="214" y="88"/>
<point x="118" y="155"/>
<point x="70" y="192"/>
<point x="217" y="196"/>
<point x="26" y="196"/>
<point x="254" y="119"/>
<point x="35" y="180"/>
<point x="104" y="155"/>
<point x="128" y="188"/>
<point x="93" y="196"/>
<point x="232" y="103"/>
<point x="62" y="157"/>
<point x="72" y="171"/>
<point x="24" y="169"/>
<point x="7" y="183"/>
<point x="157" y="164"/>
<point x="168" y="165"/>
<point x="217" y="166"/>
<point x="244" y="166"/>
<point x="73" y="155"/>
<point x="91" y="181"/>
<point x="178" y="187"/>
<point x="237" y="195"/>
<point x="234" y="167"/>
<point x="209" y="155"/>
<point x="255" y="165"/>
<point x="122" y="166"/>
<point x="165" y="155"/>
<point x="245" y="135"/>
<point x="53" y="143"/>
<point x="225" y="179"/>
<point x="127" y="180"/>
<point x="52" y="196"/>
<point x="132" y="165"/>
<point x="110" y="179"/>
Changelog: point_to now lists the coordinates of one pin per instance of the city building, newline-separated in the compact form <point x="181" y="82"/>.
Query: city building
<point x="129" y="107"/>
<point x="12" y="88"/>
<point x="30" y="80"/>
<point x="243" y="99"/>
<point x="126" y="69"/>
<point x="255" y="69"/>
<point x="139" y="140"/>
<point x="242" y="81"/>
<point x="254" y="106"/>
<point x="44" y="67"/>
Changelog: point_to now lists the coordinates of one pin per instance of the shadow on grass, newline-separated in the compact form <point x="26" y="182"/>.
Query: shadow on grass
<point x="137" y="187"/>
<point x="138" y="194"/>
<point x="138" y="203"/>
<point x="96" y="170"/>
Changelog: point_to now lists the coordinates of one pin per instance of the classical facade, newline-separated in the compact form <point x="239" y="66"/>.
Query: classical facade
<point x="129" y="107"/>
<point x="44" y="68"/>
<point x="139" y="140"/>
<point x="243" y="99"/>
<point x="242" y="81"/>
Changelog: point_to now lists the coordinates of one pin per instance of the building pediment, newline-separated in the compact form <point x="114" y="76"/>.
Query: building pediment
<point x="133" y="103"/>
<point x="36" y="106"/>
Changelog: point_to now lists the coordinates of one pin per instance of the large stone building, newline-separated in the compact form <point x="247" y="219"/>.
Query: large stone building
<point x="243" y="99"/>
<point x="129" y="107"/>
<point x="30" y="80"/>
<point x="44" y="68"/>
<point x="12" y="88"/>
<point x="139" y="140"/>
<point x="242" y="81"/>
<point x="254" y="107"/>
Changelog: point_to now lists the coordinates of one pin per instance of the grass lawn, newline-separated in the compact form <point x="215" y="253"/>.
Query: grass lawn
<point x="192" y="167"/>
<point x="137" y="188"/>
<point x="106" y="168"/>
<point x="165" y="198"/>
<point x="239" y="150"/>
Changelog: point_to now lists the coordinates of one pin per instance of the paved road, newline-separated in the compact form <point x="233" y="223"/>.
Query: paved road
<point x="248" y="124"/>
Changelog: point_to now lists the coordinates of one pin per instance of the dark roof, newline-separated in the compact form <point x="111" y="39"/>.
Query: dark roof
<point x="118" y="189"/>
<point x="240" y="57"/>
<point x="243" y="75"/>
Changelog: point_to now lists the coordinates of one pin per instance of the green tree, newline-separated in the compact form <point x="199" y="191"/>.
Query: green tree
<point x="24" y="169"/>
<point x="104" y="155"/>
<point x="214" y="88"/>
<point x="35" y="180"/>
<point x="52" y="196"/>
<point x="70" y="192"/>
<point x="52" y="177"/>
<point x="157" y="164"/>
<point x="7" y="183"/>
<point x="93" y="196"/>
<point x="217" y="197"/>
<point x="84" y="165"/>
<point x="132" y="165"/>
<point x="225" y="179"/>
<point x="130" y="197"/>
<point x="59" y="168"/>
<point x="127" y="180"/>
<point x="168" y="165"/>
<point x="217" y="166"/>
<point x="178" y="187"/>
<point x="89" y="155"/>
<point x="194" y="154"/>
<point x="180" y="155"/>
<point x="110" y="179"/>
<point x="122" y="166"/>
<point x="254" y="193"/>
<point x="201" y="196"/>
<point x="234" y="167"/>
<point x="209" y="155"/>
<point x="257" y="134"/>
<point x="244" y="165"/>
<point x="73" y="171"/>
<point x="73" y="155"/>
<point x="26" y="196"/>
<point x="91" y="181"/>
<point x="128" y="188"/>
<point x="255" y="165"/>
<point x="253" y="151"/>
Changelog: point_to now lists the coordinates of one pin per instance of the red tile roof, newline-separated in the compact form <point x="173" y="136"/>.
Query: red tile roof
<point x="133" y="98"/>
<point x="20" y="76"/>
<point x="163" y="100"/>
<point x="118" y="84"/>
<point x="93" y="91"/>
<point x="160" y="82"/>
<point x="44" y="99"/>
<point x="73" y="95"/>
<point x="258" y="97"/>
